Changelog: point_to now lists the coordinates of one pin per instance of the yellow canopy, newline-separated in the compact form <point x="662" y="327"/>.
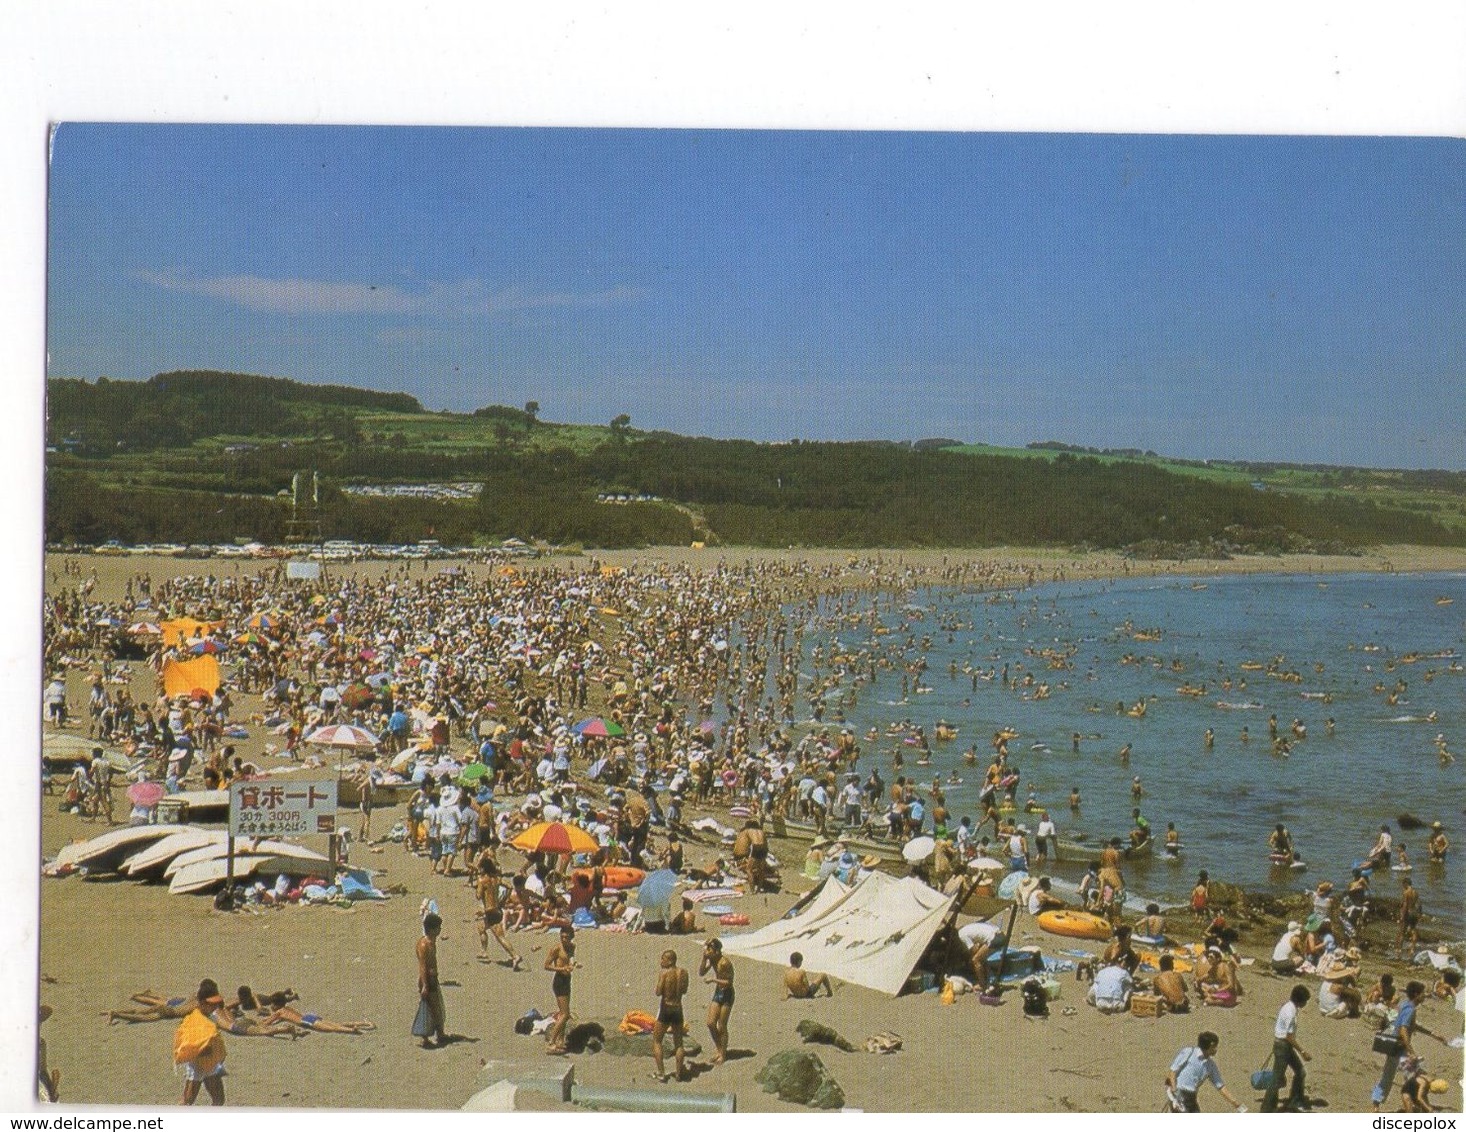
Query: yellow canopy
<point x="180" y="677"/>
<point x="181" y="630"/>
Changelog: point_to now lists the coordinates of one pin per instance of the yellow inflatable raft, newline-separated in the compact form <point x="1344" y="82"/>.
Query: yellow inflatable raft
<point x="1079" y="925"/>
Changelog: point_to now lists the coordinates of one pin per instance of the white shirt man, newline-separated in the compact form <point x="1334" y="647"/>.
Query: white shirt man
<point x="1110" y="991"/>
<point x="1047" y="832"/>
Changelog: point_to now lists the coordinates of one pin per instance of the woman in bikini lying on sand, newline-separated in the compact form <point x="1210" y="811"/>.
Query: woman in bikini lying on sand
<point x="293" y="1019"/>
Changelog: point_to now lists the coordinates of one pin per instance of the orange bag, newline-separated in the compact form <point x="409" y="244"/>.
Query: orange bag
<point x="637" y="1022"/>
<point x="198" y="1039"/>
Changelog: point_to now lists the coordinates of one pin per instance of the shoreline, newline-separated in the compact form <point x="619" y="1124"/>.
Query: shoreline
<point x="1008" y="566"/>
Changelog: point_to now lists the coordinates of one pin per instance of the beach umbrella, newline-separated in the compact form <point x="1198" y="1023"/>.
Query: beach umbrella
<point x="207" y="647"/>
<point x="357" y="695"/>
<point x="263" y="621"/>
<point x="977" y="864"/>
<point x="249" y="638"/>
<point x="344" y="735"/>
<point x="598" y="728"/>
<point x="918" y="849"/>
<point x="555" y="837"/>
<point x="145" y="793"/>
<point x="657" y="888"/>
<point x="64" y="745"/>
<point x="472" y="773"/>
<point x="145" y="629"/>
<point x="108" y="622"/>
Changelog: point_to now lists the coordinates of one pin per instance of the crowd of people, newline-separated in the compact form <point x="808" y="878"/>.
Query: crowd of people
<point x="696" y="684"/>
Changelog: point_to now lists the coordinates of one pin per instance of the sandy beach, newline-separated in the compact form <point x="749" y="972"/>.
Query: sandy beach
<point x="102" y="941"/>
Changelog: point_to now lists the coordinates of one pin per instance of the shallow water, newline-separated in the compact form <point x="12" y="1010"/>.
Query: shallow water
<point x="1342" y="635"/>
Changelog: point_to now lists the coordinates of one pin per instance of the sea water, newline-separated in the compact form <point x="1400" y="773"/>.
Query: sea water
<point x="1345" y="636"/>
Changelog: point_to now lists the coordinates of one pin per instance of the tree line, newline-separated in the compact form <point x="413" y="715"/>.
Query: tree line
<point x="759" y="494"/>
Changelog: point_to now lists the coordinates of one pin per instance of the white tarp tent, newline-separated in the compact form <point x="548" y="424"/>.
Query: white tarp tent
<point x="872" y="935"/>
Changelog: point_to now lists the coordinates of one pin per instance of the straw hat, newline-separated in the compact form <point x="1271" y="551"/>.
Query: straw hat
<point x="870" y="861"/>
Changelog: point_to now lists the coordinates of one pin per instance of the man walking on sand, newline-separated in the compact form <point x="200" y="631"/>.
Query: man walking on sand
<point x="1404" y="1028"/>
<point x="1286" y="1054"/>
<point x="428" y="988"/>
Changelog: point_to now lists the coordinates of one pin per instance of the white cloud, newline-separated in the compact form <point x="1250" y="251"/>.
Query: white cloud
<point x="322" y="297"/>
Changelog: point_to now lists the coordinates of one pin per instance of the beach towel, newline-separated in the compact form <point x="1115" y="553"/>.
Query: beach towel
<point x="356" y="885"/>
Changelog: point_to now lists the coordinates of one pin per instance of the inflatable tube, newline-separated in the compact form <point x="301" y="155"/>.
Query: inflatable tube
<point x="1078" y="925"/>
<point x="733" y="920"/>
<point x="1009" y="888"/>
<point x="616" y="876"/>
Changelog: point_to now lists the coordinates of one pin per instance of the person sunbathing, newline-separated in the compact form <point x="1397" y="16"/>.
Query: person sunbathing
<point x="1216" y="979"/>
<point x="155" y="1008"/>
<point x="158" y="1008"/>
<point x="799" y="984"/>
<point x="315" y="1022"/>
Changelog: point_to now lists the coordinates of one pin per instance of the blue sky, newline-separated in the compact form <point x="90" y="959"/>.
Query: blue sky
<point x="1296" y="299"/>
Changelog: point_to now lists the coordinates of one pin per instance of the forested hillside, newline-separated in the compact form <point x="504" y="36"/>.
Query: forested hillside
<point x="199" y="456"/>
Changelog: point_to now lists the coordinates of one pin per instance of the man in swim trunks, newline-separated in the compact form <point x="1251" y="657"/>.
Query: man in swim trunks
<point x="1409" y="916"/>
<point x="1119" y="952"/>
<point x="1436" y="845"/>
<point x="561" y="960"/>
<point x="797" y="983"/>
<point x="1112" y="881"/>
<point x="1171" y="986"/>
<point x="428" y="988"/>
<point x="720" y="967"/>
<point x="1384" y="848"/>
<point x="672" y="983"/>
<point x="486" y="884"/>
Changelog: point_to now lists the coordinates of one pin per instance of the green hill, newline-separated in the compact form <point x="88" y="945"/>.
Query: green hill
<point x="202" y="456"/>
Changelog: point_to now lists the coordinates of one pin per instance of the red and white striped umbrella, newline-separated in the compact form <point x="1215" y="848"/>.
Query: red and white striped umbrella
<point x="343" y="735"/>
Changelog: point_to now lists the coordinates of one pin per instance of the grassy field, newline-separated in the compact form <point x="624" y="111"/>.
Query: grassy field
<point x="1386" y="488"/>
<point x="452" y="433"/>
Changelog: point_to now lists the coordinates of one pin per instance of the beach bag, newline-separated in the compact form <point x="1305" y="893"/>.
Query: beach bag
<point x="1388" y="1044"/>
<point x="1262" y="1079"/>
<point x="1035" y="1001"/>
<point x="197" y="1039"/>
<point x="636" y="1022"/>
<point x="525" y="1025"/>
<point x="422" y="1023"/>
